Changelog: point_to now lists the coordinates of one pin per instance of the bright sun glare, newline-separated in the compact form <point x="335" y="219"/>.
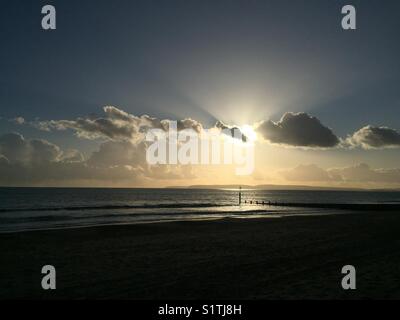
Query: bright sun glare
<point x="249" y="132"/>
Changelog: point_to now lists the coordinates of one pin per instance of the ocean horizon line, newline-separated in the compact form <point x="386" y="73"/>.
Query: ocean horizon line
<point x="276" y="187"/>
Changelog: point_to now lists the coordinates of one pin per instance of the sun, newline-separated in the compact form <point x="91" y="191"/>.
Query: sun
<point x="249" y="132"/>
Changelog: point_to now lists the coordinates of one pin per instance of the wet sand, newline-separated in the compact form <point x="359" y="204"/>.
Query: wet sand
<point x="276" y="258"/>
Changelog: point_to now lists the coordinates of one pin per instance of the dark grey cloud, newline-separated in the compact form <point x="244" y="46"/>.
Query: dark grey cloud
<point x="370" y="137"/>
<point x="17" y="149"/>
<point x="298" y="130"/>
<point x="112" y="153"/>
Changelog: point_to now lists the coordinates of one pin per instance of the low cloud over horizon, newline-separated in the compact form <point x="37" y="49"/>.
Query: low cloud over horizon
<point x="37" y="161"/>
<point x="119" y="158"/>
<point x="361" y="172"/>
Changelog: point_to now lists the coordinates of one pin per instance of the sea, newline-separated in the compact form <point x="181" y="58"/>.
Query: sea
<point x="23" y="209"/>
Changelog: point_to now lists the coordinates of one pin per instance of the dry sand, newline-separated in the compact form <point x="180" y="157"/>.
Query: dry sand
<point x="282" y="258"/>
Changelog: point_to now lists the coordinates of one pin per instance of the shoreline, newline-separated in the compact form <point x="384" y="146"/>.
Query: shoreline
<point x="238" y="215"/>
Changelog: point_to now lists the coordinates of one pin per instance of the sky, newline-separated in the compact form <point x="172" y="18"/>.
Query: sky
<point x="323" y="102"/>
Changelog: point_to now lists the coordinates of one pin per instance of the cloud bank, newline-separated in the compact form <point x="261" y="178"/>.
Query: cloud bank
<point x="16" y="149"/>
<point x="39" y="162"/>
<point x="121" y="151"/>
<point x="358" y="173"/>
<point x="306" y="173"/>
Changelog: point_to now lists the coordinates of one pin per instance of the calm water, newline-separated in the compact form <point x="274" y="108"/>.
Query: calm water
<point x="42" y="208"/>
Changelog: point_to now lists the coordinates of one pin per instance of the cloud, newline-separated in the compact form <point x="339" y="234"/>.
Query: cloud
<point x="100" y="128"/>
<point x="309" y="172"/>
<point x="39" y="162"/>
<point x="17" y="149"/>
<point x="293" y="129"/>
<point x="113" y="153"/>
<point x="115" y="125"/>
<point x="190" y="124"/>
<point x="118" y="114"/>
<point x="370" y="137"/>
<point x="231" y="131"/>
<point x="18" y="120"/>
<point x="298" y="130"/>
<point x="3" y="160"/>
<point x="72" y="155"/>
<point x="360" y="173"/>
<point x="126" y="153"/>
<point x="364" y="173"/>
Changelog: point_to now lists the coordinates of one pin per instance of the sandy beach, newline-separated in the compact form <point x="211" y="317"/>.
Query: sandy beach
<point x="271" y="258"/>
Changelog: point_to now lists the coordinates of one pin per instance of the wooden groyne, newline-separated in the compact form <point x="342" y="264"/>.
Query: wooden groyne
<point x="340" y="206"/>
